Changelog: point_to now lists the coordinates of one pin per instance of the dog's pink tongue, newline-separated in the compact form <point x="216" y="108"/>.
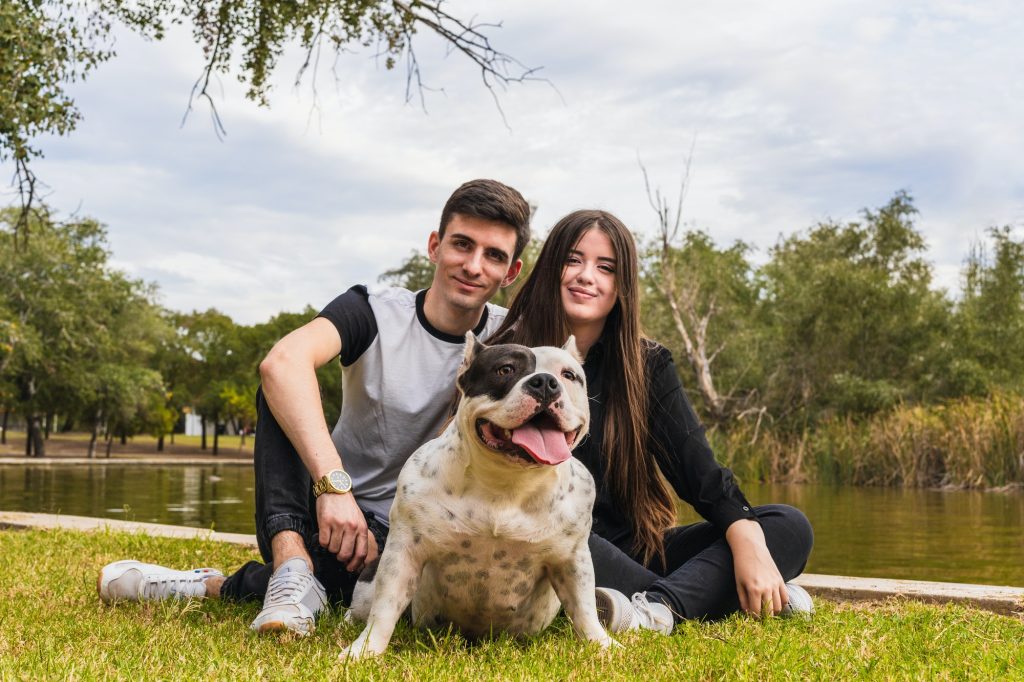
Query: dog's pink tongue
<point x="547" y="446"/>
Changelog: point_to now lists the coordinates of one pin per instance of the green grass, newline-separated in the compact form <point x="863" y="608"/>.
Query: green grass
<point x="53" y="626"/>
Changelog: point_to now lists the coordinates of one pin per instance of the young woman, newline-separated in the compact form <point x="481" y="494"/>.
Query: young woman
<point x="645" y="437"/>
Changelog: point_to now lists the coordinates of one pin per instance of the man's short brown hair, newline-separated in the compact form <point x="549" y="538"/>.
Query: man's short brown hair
<point x="490" y="200"/>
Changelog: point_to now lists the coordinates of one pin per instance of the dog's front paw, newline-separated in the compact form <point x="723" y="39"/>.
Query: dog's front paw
<point x="358" y="650"/>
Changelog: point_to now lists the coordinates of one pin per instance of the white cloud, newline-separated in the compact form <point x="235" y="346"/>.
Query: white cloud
<point x="801" y="112"/>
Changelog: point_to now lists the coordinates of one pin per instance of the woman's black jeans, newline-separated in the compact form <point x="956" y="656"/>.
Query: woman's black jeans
<point x="285" y="501"/>
<point x="698" y="581"/>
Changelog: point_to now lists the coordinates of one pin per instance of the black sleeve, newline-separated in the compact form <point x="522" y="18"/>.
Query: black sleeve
<point x="353" y="317"/>
<point x="682" y="450"/>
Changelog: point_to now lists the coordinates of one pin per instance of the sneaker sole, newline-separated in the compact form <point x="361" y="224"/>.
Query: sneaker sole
<point x="302" y="630"/>
<point x="604" y="608"/>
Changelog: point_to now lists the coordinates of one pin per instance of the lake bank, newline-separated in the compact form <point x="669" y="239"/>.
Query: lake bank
<point x="76" y="445"/>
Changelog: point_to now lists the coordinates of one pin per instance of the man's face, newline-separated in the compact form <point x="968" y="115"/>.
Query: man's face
<point x="474" y="259"/>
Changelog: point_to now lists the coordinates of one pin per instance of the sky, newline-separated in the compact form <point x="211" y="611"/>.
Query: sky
<point x="790" y="113"/>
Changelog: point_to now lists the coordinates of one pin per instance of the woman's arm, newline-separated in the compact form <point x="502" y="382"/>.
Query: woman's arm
<point x="760" y="586"/>
<point x="679" y="446"/>
<point x="689" y="465"/>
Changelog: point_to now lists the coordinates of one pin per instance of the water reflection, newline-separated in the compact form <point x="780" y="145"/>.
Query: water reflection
<point x="959" y="536"/>
<point x="216" y="496"/>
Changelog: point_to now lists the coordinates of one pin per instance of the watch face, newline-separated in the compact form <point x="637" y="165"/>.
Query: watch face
<point x="340" y="480"/>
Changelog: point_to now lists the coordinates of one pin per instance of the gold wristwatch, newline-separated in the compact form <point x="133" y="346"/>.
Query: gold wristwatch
<point x="335" y="481"/>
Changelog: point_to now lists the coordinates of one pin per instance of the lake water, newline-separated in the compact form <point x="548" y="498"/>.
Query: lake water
<point x="961" y="536"/>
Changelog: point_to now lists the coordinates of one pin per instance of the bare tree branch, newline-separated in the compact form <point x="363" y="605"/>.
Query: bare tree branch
<point x="682" y="298"/>
<point x="202" y="83"/>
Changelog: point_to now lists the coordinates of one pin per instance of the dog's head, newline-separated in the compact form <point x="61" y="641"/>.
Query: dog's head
<point x="529" y="404"/>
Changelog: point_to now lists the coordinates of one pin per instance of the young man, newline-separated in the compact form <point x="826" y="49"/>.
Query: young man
<point x="322" y="499"/>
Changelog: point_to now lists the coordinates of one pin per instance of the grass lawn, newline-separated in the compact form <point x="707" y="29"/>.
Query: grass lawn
<point x="53" y="626"/>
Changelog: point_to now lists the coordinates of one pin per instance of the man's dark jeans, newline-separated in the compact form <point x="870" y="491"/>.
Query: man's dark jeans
<point x="698" y="581"/>
<point x="285" y="501"/>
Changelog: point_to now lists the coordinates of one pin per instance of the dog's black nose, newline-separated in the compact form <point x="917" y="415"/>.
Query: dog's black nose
<point x="544" y="387"/>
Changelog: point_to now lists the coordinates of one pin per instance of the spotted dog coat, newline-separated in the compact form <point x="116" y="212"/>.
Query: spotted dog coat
<point x="490" y="521"/>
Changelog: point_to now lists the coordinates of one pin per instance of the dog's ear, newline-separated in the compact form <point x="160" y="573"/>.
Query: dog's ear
<point x="473" y="346"/>
<point x="570" y="346"/>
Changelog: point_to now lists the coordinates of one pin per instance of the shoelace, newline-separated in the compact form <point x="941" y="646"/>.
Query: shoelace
<point x="287" y="588"/>
<point x="155" y="586"/>
<point x="642" y="608"/>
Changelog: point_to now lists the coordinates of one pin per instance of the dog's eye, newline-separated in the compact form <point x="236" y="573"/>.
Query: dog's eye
<point x="505" y="370"/>
<point x="569" y="375"/>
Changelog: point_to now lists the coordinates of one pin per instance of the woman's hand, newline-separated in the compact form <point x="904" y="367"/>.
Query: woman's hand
<point x="760" y="586"/>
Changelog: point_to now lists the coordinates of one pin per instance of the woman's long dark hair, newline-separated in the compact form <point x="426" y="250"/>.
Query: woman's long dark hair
<point x="537" y="318"/>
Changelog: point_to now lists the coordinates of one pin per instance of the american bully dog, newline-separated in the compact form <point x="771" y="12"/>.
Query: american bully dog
<point x="490" y="522"/>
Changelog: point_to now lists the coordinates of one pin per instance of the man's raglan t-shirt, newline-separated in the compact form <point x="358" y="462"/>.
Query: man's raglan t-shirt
<point x="398" y="379"/>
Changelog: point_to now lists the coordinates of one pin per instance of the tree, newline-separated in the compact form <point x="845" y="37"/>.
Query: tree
<point x="708" y="294"/>
<point x="122" y="388"/>
<point x="45" y="45"/>
<point x="852" y="323"/>
<point x="414" y="273"/>
<point x="701" y="301"/>
<point x="121" y="399"/>
<point x="990" y="315"/>
<point x="210" y="340"/>
<point x="46" y="284"/>
<point x="78" y="324"/>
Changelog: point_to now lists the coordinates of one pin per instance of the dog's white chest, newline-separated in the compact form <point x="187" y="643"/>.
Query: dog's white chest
<point x="485" y="552"/>
<point x="480" y="582"/>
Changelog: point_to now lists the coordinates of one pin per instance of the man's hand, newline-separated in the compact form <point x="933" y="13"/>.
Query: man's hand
<point x="343" y="530"/>
<point x="760" y="586"/>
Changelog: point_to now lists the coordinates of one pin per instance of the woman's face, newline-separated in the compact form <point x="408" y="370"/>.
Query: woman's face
<point x="588" y="280"/>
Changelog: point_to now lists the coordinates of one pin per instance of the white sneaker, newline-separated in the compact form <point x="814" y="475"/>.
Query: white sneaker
<point x="294" y="598"/>
<point x="620" y="614"/>
<point x="800" y="604"/>
<point x="135" y="581"/>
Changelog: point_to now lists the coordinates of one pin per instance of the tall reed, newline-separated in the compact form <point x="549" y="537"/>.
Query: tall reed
<point x="973" y="443"/>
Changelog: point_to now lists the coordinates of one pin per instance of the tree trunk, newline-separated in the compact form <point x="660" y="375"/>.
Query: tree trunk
<point x="35" y="446"/>
<point x="172" y="437"/>
<point x="48" y="425"/>
<point x="160" y="443"/>
<point x="3" y="428"/>
<point x="92" y="439"/>
<point x="216" y="434"/>
<point x="202" y="421"/>
<point x="124" y="437"/>
<point x="696" y="350"/>
<point x="110" y="442"/>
